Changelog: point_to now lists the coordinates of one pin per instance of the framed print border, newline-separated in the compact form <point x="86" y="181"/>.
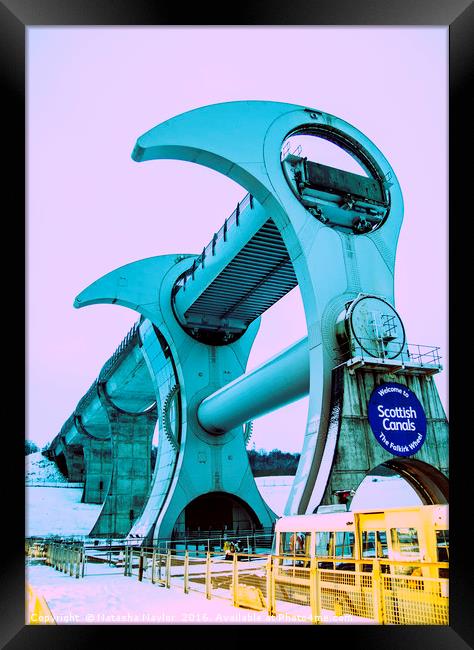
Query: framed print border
<point x="15" y="18"/>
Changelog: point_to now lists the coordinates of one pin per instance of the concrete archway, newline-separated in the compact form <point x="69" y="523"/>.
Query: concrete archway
<point x="70" y="463"/>
<point x="215" y="511"/>
<point x="62" y="465"/>
<point x="431" y="485"/>
<point x="401" y="482"/>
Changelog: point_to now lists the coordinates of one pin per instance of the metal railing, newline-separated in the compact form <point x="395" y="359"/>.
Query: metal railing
<point x="74" y="556"/>
<point x="317" y="590"/>
<point x="375" y="351"/>
<point x="248" y="540"/>
<point x="85" y="540"/>
<point x="112" y="362"/>
<point x="68" y="558"/>
<point x="67" y="426"/>
<point x="219" y="236"/>
<point x="53" y="484"/>
<point x="286" y="150"/>
<point x="104" y="374"/>
<point x="302" y="588"/>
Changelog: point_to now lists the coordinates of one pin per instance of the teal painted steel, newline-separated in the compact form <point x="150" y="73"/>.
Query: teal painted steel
<point x="335" y="253"/>
<point x="280" y="381"/>
<point x="147" y="286"/>
<point x="331" y="232"/>
<point x="241" y="274"/>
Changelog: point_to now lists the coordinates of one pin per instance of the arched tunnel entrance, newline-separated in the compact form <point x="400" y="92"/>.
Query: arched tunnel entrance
<point x="62" y="465"/>
<point x="401" y="482"/>
<point x="214" y="513"/>
<point x="71" y="463"/>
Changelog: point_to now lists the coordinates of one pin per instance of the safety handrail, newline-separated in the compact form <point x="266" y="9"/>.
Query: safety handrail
<point x="412" y="354"/>
<point x="220" y="235"/>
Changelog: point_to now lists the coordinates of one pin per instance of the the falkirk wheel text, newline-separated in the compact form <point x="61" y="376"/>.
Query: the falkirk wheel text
<point x="182" y="366"/>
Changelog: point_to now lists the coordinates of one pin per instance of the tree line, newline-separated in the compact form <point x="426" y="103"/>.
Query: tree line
<point x="262" y="462"/>
<point x="31" y="447"/>
<point x="273" y="463"/>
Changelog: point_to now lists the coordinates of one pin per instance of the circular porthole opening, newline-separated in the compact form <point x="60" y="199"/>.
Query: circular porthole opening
<point x="335" y="179"/>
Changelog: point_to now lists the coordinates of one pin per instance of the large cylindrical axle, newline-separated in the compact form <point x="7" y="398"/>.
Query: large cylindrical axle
<point x="279" y="381"/>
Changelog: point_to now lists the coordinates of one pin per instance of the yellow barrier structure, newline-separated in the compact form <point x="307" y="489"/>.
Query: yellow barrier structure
<point x="249" y="597"/>
<point x="313" y="589"/>
<point x="38" y="612"/>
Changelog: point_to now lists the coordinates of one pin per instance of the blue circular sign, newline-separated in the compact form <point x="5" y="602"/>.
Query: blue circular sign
<point x="397" y="419"/>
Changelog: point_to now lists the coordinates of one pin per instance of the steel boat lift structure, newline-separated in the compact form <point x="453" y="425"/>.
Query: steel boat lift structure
<point x="182" y="366"/>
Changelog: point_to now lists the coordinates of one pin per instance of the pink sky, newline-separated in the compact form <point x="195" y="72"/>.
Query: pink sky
<point x="93" y="91"/>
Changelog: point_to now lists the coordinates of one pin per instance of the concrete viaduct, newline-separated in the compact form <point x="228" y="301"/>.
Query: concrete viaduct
<point x="181" y="368"/>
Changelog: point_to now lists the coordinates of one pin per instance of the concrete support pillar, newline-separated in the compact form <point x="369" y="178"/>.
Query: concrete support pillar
<point x="97" y="469"/>
<point x="131" y="436"/>
<point x="357" y="450"/>
<point x="74" y="456"/>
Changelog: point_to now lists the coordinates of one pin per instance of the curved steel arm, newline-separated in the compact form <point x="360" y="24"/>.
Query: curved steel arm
<point x="135" y="285"/>
<point x="243" y="140"/>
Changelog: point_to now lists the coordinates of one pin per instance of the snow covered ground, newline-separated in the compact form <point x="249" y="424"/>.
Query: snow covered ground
<point x="52" y="505"/>
<point x="106" y="597"/>
<point x="384" y="492"/>
<point x="58" y="511"/>
<point x="39" y="469"/>
<point x="275" y="491"/>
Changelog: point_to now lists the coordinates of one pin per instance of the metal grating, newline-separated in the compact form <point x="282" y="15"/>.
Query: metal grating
<point x="257" y="277"/>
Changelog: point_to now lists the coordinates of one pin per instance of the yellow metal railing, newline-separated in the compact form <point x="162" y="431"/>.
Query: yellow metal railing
<point x="317" y="590"/>
<point x="313" y="589"/>
<point x="414" y="600"/>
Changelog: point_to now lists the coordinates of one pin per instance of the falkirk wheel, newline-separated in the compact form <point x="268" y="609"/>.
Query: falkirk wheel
<point x="372" y="400"/>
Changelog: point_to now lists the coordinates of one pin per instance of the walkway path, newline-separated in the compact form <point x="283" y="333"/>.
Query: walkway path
<point x="105" y="596"/>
